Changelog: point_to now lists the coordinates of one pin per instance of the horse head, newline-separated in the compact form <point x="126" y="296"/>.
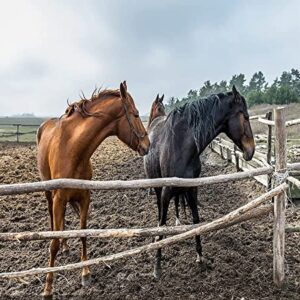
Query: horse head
<point x="130" y="127"/>
<point x="238" y="126"/>
<point x="157" y="109"/>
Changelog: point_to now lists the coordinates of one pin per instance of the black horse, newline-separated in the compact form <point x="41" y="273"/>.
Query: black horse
<point x="178" y="140"/>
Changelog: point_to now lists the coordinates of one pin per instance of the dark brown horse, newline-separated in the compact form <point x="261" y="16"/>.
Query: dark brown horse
<point x="178" y="140"/>
<point x="157" y="110"/>
<point x="66" y="145"/>
<point x="157" y="114"/>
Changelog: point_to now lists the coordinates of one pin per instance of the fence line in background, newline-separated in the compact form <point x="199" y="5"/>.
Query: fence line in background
<point x="17" y="133"/>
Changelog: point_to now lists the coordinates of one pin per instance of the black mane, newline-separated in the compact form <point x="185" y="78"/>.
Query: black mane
<point x="200" y="115"/>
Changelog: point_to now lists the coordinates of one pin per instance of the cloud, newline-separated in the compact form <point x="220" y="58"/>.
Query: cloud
<point x="53" y="49"/>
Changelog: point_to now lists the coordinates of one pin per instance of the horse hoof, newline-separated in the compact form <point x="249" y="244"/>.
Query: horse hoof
<point x="66" y="251"/>
<point x="86" y="279"/>
<point x="157" y="273"/>
<point x="151" y="192"/>
<point x="177" y="222"/>
<point x="47" y="295"/>
<point x="205" y="264"/>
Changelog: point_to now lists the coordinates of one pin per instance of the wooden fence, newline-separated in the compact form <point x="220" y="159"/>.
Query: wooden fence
<point x="227" y="150"/>
<point x="250" y="210"/>
<point x="16" y="132"/>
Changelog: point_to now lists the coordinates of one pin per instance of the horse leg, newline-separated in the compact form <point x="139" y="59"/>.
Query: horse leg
<point x="158" y="196"/>
<point x="58" y="210"/>
<point x="64" y="243"/>
<point x="50" y="208"/>
<point x="165" y="201"/>
<point x="158" y="199"/>
<point x="151" y="192"/>
<point x="84" y="207"/>
<point x="65" y="247"/>
<point x="183" y="204"/>
<point x="192" y="202"/>
<point x="177" y="221"/>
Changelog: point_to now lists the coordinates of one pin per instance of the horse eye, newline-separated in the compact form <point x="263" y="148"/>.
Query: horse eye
<point x="136" y="114"/>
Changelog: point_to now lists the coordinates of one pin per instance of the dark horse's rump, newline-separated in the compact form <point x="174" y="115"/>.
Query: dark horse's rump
<point x="178" y="140"/>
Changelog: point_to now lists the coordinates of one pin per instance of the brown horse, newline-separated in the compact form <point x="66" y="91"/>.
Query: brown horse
<point x="66" y="145"/>
<point x="157" y="110"/>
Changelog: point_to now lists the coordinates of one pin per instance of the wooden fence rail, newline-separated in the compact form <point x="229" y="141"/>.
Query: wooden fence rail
<point x="120" y="232"/>
<point x="225" y="221"/>
<point x="66" y="183"/>
<point x="272" y="123"/>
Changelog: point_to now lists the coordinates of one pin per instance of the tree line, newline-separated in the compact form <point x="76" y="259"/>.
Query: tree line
<point x="283" y="90"/>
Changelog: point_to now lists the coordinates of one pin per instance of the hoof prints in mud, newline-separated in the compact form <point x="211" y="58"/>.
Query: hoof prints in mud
<point x="242" y="255"/>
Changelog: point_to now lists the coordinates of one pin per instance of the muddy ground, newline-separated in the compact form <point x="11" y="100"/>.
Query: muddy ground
<point x="242" y="254"/>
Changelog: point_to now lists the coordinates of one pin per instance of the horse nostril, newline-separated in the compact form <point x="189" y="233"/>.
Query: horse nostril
<point x="146" y="150"/>
<point x="248" y="154"/>
<point x="142" y="150"/>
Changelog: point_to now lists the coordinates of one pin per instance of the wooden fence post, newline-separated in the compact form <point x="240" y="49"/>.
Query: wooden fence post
<point x="221" y="152"/>
<point x="18" y="132"/>
<point x="269" y="147"/>
<point x="237" y="158"/>
<point x="280" y="200"/>
<point x="228" y="155"/>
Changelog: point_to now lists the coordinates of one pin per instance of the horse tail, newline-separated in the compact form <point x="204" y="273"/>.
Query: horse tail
<point x="75" y="207"/>
<point x="42" y="128"/>
<point x="39" y="132"/>
<point x="183" y="203"/>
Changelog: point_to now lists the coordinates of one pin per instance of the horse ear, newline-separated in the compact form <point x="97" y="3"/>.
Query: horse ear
<point x="235" y="91"/>
<point x="125" y="84"/>
<point x="157" y="98"/>
<point x="236" y="94"/>
<point x="162" y="98"/>
<point x="123" y="90"/>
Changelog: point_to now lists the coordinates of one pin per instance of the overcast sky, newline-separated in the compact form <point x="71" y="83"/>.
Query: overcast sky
<point x="50" y="50"/>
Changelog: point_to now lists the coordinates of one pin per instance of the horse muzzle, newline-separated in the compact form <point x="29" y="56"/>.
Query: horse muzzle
<point x="143" y="150"/>
<point x="248" y="153"/>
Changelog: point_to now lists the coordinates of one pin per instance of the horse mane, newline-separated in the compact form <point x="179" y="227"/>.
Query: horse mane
<point x="200" y="115"/>
<point x="81" y="106"/>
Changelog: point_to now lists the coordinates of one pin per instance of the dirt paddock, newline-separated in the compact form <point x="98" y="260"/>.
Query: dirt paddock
<point x="242" y="254"/>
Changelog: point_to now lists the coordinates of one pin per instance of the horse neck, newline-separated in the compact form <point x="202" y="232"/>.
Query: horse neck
<point x="88" y="133"/>
<point x="153" y="116"/>
<point x="217" y="125"/>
